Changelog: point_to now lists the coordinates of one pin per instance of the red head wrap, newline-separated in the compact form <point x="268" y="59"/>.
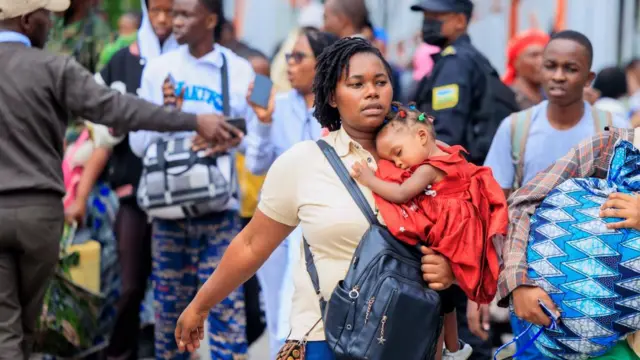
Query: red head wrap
<point x="517" y="45"/>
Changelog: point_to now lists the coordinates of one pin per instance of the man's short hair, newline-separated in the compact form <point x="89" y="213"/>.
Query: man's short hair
<point x="355" y="10"/>
<point x="577" y="37"/>
<point x="214" y="6"/>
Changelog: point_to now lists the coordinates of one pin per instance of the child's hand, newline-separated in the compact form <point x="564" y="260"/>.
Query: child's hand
<point x="361" y="172"/>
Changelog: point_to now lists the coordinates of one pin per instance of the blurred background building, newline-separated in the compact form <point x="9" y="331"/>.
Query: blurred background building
<point x="612" y="25"/>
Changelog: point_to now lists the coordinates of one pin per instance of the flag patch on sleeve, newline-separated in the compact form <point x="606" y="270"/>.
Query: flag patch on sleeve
<point x="445" y="97"/>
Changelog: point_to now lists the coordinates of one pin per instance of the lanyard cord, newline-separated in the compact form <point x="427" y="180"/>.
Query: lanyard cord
<point x="553" y="326"/>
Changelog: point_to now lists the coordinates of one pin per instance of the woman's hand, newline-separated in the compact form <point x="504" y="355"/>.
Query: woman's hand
<point x="264" y="115"/>
<point x="190" y="328"/>
<point x="436" y="270"/>
<point x="76" y="212"/>
<point x="362" y="173"/>
<point x="625" y="206"/>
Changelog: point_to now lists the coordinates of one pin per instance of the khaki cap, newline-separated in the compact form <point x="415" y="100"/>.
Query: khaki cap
<point x="10" y="9"/>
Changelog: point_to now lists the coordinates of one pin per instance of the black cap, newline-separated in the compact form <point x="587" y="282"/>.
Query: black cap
<point x="456" y="6"/>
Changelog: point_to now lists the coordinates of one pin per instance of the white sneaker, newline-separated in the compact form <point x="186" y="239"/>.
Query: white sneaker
<point x="462" y="354"/>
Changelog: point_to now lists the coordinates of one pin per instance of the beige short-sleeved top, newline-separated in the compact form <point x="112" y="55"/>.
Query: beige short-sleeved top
<point x="301" y="188"/>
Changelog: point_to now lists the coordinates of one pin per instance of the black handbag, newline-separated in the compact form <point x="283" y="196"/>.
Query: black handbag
<point x="383" y="309"/>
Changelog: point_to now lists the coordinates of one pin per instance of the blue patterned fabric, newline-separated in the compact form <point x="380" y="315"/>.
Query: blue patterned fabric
<point x="591" y="273"/>
<point x="185" y="254"/>
<point x="101" y="210"/>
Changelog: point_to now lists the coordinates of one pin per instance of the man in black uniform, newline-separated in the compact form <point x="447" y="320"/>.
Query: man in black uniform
<point x="451" y="93"/>
<point x="463" y="87"/>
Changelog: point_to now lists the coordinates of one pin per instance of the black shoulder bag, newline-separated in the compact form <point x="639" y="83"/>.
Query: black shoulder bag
<point x="383" y="309"/>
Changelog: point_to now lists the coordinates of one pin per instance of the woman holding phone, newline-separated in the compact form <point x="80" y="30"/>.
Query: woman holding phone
<point x="286" y="120"/>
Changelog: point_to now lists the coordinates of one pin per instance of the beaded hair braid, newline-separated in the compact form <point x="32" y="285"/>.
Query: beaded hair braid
<point x="409" y="115"/>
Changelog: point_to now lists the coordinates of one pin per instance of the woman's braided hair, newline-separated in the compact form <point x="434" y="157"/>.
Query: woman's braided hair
<point x="330" y="66"/>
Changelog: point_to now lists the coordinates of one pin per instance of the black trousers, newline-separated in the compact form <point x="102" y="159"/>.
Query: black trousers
<point x="133" y="235"/>
<point x="30" y="232"/>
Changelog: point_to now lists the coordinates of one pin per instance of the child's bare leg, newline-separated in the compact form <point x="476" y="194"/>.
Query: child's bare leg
<point x="451" y="332"/>
<point x="440" y="345"/>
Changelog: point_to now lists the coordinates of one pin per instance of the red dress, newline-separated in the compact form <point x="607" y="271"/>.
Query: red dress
<point x="457" y="217"/>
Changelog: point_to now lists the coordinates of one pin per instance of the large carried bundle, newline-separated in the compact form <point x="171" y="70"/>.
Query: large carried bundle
<point x="591" y="272"/>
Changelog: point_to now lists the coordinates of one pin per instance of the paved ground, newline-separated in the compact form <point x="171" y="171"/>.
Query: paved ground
<point x="260" y="350"/>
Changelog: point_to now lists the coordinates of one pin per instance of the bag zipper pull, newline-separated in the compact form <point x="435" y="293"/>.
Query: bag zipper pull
<point x="355" y="292"/>
<point x="381" y="339"/>
<point x="369" y="307"/>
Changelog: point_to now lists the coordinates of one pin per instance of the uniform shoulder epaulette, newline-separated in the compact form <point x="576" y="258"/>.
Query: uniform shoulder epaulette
<point x="449" y="50"/>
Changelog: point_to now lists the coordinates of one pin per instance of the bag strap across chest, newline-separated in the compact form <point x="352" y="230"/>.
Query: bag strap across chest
<point x="352" y="187"/>
<point x="224" y="75"/>
<point x="520" y="125"/>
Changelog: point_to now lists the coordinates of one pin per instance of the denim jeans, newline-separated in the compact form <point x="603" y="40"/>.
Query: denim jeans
<point x="318" y="350"/>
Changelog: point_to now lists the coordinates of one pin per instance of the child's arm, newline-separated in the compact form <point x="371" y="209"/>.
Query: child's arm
<point x="395" y="193"/>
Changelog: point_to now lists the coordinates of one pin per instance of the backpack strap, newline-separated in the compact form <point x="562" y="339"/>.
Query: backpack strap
<point x="520" y="124"/>
<point x="357" y="195"/>
<point x="601" y="119"/>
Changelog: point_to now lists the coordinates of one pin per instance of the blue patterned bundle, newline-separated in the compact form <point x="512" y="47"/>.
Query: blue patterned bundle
<point x="591" y="273"/>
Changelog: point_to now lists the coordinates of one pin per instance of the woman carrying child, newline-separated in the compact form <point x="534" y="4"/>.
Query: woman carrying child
<point x="430" y="194"/>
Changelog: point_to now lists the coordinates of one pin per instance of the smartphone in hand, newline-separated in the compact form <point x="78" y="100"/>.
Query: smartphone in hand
<point x="239" y="123"/>
<point x="262" y="86"/>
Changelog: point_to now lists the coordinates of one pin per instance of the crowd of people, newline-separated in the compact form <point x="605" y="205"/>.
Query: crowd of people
<point x="123" y="127"/>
